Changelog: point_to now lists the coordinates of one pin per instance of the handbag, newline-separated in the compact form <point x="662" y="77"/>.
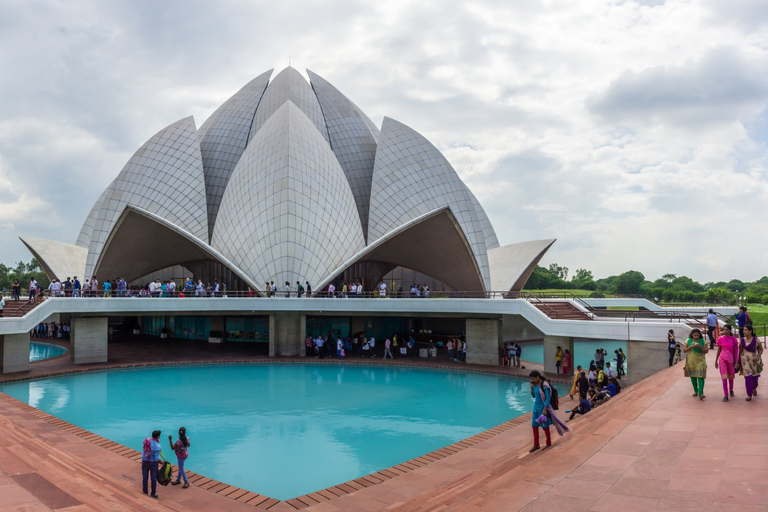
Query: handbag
<point x="165" y="473"/>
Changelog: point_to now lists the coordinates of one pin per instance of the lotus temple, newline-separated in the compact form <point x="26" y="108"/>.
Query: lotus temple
<point x="289" y="180"/>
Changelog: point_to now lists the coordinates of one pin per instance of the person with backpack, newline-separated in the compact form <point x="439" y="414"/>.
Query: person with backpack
<point x="150" y="458"/>
<point x="181" y="447"/>
<point x="545" y="402"/>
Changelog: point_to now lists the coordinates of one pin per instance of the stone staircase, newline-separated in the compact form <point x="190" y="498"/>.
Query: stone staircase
<point x="16" y="309"/>
<point x="561" y="310"/>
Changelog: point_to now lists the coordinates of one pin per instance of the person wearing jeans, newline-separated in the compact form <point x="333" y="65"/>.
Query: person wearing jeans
<point x="150" y="458"/>
<point x="181" y="447"/>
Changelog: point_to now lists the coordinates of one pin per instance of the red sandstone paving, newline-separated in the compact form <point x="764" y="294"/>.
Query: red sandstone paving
<point x="652" y="448"/>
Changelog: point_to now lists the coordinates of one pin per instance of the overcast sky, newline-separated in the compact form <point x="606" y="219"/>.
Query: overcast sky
<point x="634" y="132"/>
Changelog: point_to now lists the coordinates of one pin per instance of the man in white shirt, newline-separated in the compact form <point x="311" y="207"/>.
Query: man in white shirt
<point x="382" y="289"/>
<point x="610" y="372"/>
<point x="152" y="288"/>
<point x="319" y="342"/>
<point x="94" y="286"/>
<point x="372" y="346"/>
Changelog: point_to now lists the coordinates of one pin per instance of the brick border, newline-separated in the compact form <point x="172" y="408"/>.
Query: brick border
<point x="260" y="500"/>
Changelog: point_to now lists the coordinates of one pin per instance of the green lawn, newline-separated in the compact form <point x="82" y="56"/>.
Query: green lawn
<point x="555" y="291"/>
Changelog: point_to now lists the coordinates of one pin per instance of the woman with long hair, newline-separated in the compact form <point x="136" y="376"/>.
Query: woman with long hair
<point x="696" y="362"/>
<point x="543" y="414"/>
<point x="181" y="447"/>
<point x="751" y="360"/>
<point x="726" y="359"/>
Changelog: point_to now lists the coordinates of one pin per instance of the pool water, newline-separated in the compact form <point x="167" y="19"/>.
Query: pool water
<point x="39" y="351"/>
<point x="583" y="352"/>
<point x="284" y="430"/>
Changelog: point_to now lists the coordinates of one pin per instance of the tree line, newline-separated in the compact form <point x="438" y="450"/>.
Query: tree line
<point x="23" y="272"/>
<point x="669" y="287"/>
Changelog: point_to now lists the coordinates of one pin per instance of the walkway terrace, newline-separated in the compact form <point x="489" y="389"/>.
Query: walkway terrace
<point x="653" y="447"/>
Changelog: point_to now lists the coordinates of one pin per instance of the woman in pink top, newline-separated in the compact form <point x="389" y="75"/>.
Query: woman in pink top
<point x="727" y="355"/>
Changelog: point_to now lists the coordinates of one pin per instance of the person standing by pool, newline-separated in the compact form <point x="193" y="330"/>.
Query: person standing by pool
<point x="150" y="458"/>
<point x="518" y="353"/>
<point x="575" y="386"/>
<point x="599" y="359"/>
<point x="566" y="362"/>
<point x="181" y="447"/>
<point x="671" y="345"/>
<point x="558" y="359"/>
<point x="543" y="414"/>
<point x="388" y="349"/>
<point x="695" y="362"/>
<point x="750" y="359"/>
<point x="725" y="361"/>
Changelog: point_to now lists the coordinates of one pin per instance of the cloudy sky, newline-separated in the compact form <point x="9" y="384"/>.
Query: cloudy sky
<point x="632" y="131"/>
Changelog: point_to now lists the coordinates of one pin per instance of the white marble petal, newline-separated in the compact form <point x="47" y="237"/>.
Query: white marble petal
<point x="288" y="213"/>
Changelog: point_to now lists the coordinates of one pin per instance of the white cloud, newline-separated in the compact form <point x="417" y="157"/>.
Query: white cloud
<point x="629" y="130"/>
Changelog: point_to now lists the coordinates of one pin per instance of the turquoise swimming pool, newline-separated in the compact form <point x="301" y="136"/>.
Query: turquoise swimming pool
<point x="284" y="430"/>
<point x="39" y="351"/>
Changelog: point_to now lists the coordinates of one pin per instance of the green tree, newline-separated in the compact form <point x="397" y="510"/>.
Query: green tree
<point x="582" y="274"/>
<point x="629" y="282"/>
<point x="560" y="272"/>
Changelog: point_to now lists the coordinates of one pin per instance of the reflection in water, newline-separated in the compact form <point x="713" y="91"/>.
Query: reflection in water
<point x="48" y="395"/>
<point x="39" y="351"/>
<point x="284" y="430"/>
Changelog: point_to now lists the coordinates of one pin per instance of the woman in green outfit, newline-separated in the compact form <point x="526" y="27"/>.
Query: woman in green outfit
<point x="696" y="362"/>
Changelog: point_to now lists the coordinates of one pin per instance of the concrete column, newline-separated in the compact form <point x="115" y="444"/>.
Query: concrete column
<point x="483" y="341"/>
<point x="285" y="333"/>
<point x="14" y="353"/>
<point x="550" y="349"/>
<point x="644" y="358"/>
<point x="302" y="334"/>
<point x="272" y="335"/>
<point x="89" y="340"/>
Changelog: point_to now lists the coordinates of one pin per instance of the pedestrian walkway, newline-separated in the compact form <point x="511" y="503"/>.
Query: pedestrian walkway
<point x="654" y="447"/>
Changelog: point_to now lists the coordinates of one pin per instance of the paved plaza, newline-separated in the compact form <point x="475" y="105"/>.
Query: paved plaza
<point x="654" y="447"/>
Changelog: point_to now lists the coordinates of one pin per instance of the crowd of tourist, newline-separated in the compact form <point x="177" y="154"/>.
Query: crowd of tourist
<point x="359" y="345"/>
<point x="510" y="354"/>
<point x="73" y="287"/>
<point x="51" y="330"/>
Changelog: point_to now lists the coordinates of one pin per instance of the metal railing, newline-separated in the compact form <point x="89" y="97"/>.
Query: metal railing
<point x="368" y="294"/>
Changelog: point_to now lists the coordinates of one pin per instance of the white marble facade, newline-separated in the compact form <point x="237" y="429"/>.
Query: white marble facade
<point x="289" y="181"/>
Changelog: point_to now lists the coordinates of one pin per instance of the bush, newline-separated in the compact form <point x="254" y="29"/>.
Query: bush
<point x="596" y="295"/>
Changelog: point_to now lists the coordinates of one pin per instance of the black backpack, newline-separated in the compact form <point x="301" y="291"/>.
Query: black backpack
<point x="554" y="398"/>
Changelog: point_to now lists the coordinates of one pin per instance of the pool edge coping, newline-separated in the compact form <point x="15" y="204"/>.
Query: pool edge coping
<point x="259" y="500"/>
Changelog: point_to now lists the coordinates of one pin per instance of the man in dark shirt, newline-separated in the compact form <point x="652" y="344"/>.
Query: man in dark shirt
<point x="583" y="408"/>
